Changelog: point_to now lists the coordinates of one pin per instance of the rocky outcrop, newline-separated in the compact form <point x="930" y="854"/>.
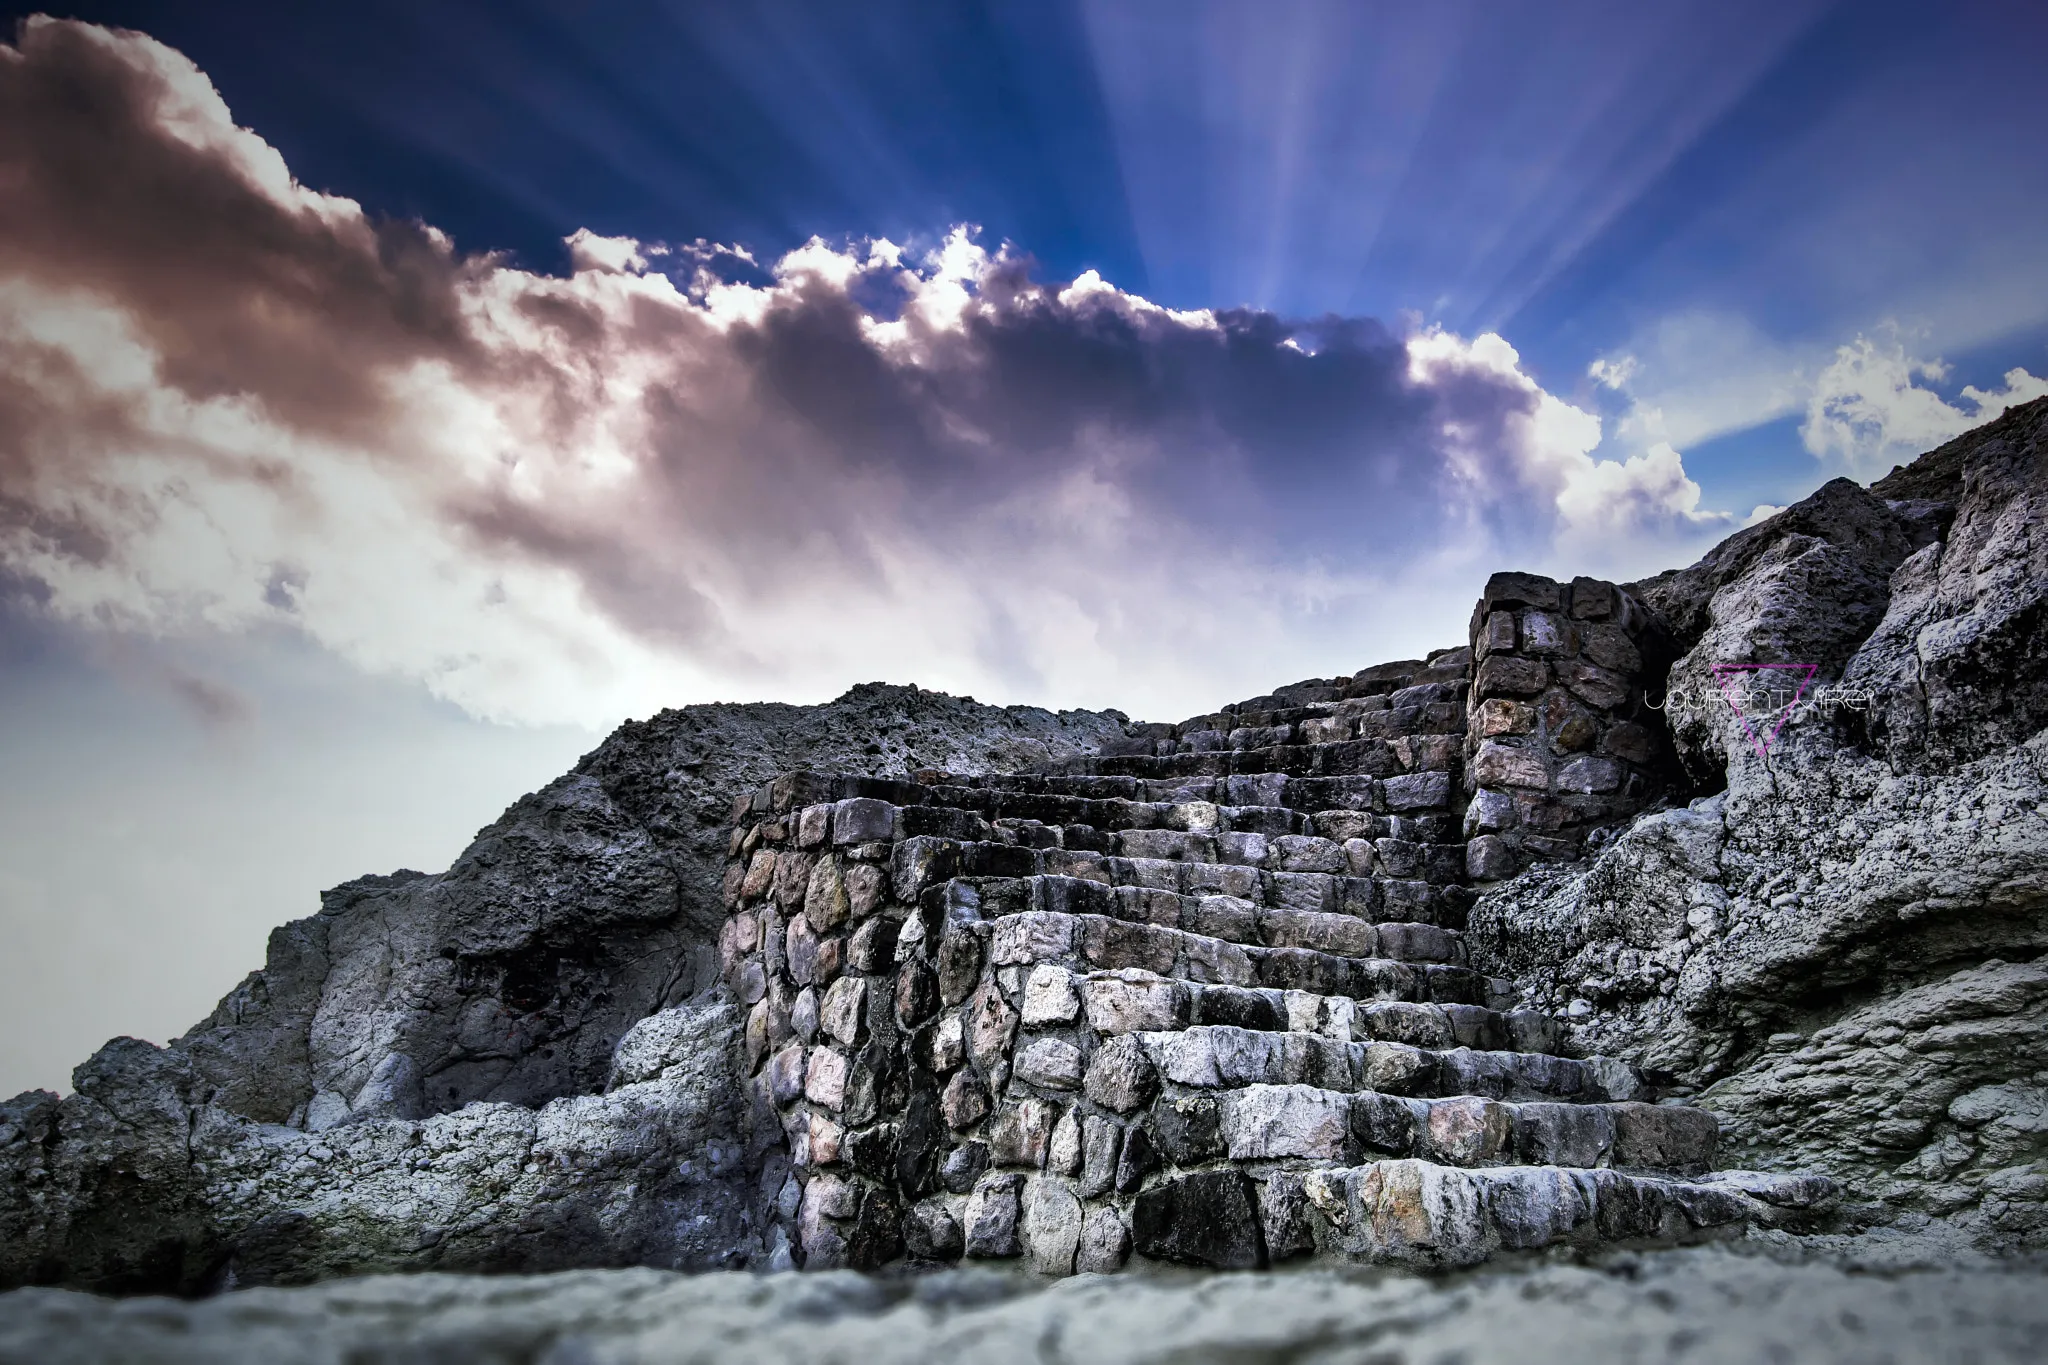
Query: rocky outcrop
<point x="1838" y="946"/>
<point x="909" y="975"/>
<point x="452" y="1069"/>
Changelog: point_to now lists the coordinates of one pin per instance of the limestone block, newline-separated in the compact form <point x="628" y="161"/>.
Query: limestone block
<point x="1396" y="1068"/>
<point x="843" y="1014"/>
<point x="1105" y="1242"/>
<point x="949" y="1043"/>
<point x="825" y="1077"/>
<point x="1417" y="791"/>
<point x="1063" y="1154"/>
<point x="992" y="1215"/>
<point x="1121" y="1076"/>
<point x="760" y="874"/>
<point x="1101" y="1142"/>
<point x="1130" y="1002"/>
<point x="1246" y="1008"/>
<point x="803" y="1014"/>
<point x="1267" y="1121"/>
<point x="1246" y="848"/>
<point x="1577" y="1135"/>
<point x="991" y="1026"/>
<point x="1021" y="1131"/>
<point x="1032" y="937"/>
<point x="1468" y="1130"/>
<point x="1589" y="774"/>
<point x="1417" y="1213"/>
<point x="1216" y="961"/>
<point x="1226" y="917"/>
<point x="1305" y="853"/>
<point x="1401" y="1021"/>
<point x="1049" y="997"/>
<point x="1420" y="943"/>
<point x="1545" y="634"/>
<point x="1112" y="944"/>
<point x="1536" y="1206"/>
<point x="1051" y="1225"/>
<point x="1053" y="1063"/>
<point x="1327" y="933"/>
<point x="1501" y="765"/>
<point x="867" y="889"/>
<point x="1489" y="858"/>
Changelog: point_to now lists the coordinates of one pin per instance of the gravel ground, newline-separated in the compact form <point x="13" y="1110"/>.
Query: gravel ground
<point x="1704" y="1305"/>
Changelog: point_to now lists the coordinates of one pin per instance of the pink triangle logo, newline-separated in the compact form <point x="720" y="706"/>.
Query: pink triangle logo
<point x="1724" y="677"/>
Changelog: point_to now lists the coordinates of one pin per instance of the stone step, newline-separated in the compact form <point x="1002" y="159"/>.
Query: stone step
<point x="1418" y="775"/>
<point x="1418" y="707"/>
<point x="1110" y="824"/>
<point x="1105" y="944"/>
<point x="921" y="865"/>
<point x="1197" y="1119"/>
<point x="1300" y="920"/>
<point x="1423" y="1214"/>
<point x="1113" y="1002"/>
<point x="1267" y="790"/>
<point x="1227" y="1056"/>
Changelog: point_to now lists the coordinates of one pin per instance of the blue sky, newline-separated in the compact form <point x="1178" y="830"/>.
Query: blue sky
<point x="372" y="402"/>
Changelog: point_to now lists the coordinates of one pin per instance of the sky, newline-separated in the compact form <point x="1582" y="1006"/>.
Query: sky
<point x="394" y="398"/>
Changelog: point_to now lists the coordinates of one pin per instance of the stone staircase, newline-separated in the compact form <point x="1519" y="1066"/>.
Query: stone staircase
<point x="1202" y="1001"/>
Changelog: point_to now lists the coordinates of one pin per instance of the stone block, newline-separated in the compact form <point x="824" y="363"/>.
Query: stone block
<point x="917" y="864"/>
<point x="1593" y="600"/>
<point x="1468" y="1130"/>
<point x="1626" y="1209"/>
<point x="1630" y="741"/>
<point x="1311" y="891"/>
<point x="992" y="1215"/>
<point x="1417" y="791"/>
<point x="991" y="1026"/>
<point x="825" y="1076"/>
<point x="1306" y="853"/>
<point x="1665" y="1137"/>
<point x="1490" y="812"/>
<point x="1576" y="1135"/>
<point x="1206" y="1219"/>
<point x="760" y="874"/>
<point x="803" y="1014"/>
<point x="960" y="957"/>
<point x="1398" y="858"/>
<point x="1262" y="1122"/>
<point x="1396" y="1068"/>
<point x="863" y="819"/>
<point x="1101" y="1143"/>
<point x="786" y="1074"/>
<point x="1490" y="858"/>
<point x="1594" y="685"/>
<point x="1522" y="590"/>
<point x="1340" y="934"/>
<point x="1533" y="1031"/>
<point x="1051" y="1226"/>
<point x="948" y="1044"/>
<point x="1121" y="1076"/>
<point x="1132" y="1002"/>
<point x="1225" y="917"/>
<point x="1509" y="675"/>
<point x="1032" y="937"/>
<point x="1063" y="1154"/>
<point x="1137" y="1160"/>
<point x="1502" y="765"/>
<point x="931" y="1233"/>
<point x="1284" y="1217"/>
<point x="917" y="993"/>
<point x="963" y="1167"/>
<point x="1413" y="1212"/>
<point x="867" y="889"/>
<point x="1245" y="1008"/>
<point x="1609" y="646"/>
<point x="872" y="949"/>
<point x="1588" y="774"/>
<point x="1243" y="848"/>
<point x="1114" y="945"/>
<point x="1387" y="1123"/>
<point x="842" y="1015"/>
<point x="1496" y="635"/>
<point x="1105" y="1243"/>
<point x="1503" y="716"/>
<point x="1021" y="1131"/>
<point x="1420" y="943"/>
<point x="1052" y="1063"/>
<point x="1545" y="634"/>
<point x="826" y="905"/>
<point x="1049" y="997"/>
<point x="792" y="878"/>
<point x="1536" y="1207"/>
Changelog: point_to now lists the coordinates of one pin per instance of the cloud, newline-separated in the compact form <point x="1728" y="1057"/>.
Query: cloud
<point x="231" y="402"/>
<point x="1870" y="409"/>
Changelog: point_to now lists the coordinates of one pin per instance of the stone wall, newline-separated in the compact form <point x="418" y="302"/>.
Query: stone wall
<point x="1561" y="741"/>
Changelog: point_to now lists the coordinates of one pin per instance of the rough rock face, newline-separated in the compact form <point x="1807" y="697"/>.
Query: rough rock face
<point x="530" y="1062"/>
<point x="1838" y="949"/>
<point x="520" y="1063"/>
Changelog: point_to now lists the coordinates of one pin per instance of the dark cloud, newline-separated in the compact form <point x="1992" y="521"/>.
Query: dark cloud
<point x="225" y="382"/>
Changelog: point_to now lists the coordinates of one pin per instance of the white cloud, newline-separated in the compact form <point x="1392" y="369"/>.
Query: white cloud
<point x="1870" y="409"/>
